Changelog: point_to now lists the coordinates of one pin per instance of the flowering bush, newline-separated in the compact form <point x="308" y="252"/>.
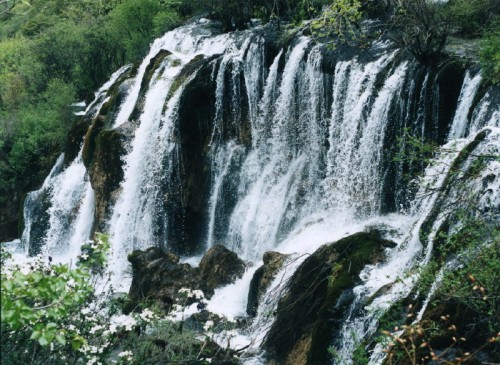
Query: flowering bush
<point x="52" y="314"/>
<point x="49" y="313"/>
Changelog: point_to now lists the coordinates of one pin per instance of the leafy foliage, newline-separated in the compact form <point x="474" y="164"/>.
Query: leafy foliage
<point x="53" y="314"/>
<point x="490" y="54"/>
<point x="52" y="53"/>
<point x="339" y="21"/>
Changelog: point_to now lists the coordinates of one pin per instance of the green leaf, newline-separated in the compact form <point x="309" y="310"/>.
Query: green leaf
<point x="43" y="341"/>
<point x="76" y="344"/>
<point x="35" y="335"/>
<point x="61" y="339"/>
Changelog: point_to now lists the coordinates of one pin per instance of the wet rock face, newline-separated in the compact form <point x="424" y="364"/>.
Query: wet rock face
<point x="219" y="267"/>
<point x="319" y="293"/>
<point x="102" y="156"/>
<point x="189" y="194"/>
<point x="75" y="140"/>
<point x="157" y="275"/>
<point x="273" y="262"/>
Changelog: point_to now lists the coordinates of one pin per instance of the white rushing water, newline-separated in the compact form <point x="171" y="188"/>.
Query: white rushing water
<point x="296" y="158"/>
<point x="465" y="100"/>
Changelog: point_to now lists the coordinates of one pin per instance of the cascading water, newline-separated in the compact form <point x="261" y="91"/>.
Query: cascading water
<point x="293" y="148"/>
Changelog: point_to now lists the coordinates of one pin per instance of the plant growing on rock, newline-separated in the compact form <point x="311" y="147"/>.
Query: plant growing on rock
<point x="339" y="21"/>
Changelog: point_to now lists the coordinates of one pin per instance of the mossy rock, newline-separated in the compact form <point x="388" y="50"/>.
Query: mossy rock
<point x="186" y="72"/>
<point x="153" y="65"/>
<point x="273" y="262"/>
<point x="319" y="293"/>
<point x="75" y="139"/>
<point x="102" y="155"/>
<point x="157" y="276"/>
<point x="90" y="141"/>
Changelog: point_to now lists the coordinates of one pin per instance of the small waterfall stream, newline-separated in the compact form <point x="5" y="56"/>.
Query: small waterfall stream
<point x="293" y="148"/>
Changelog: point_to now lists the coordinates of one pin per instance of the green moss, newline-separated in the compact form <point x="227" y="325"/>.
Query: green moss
<point x="90" y="141"/>
<point x="356" y="252"/>
<point x="187" y="71"/>
<point x="315" y="302"/>
<point x="155" y="62"/>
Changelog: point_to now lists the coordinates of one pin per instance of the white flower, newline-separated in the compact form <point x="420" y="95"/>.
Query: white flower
<point x="84" y="256"/>
<point x="93" y="360"/>
<point x="71" y="283"/>
<point x="198" y="294"/>
<point x="95" y="329"/>
<point x="147" y="315"/>
<point x="125" y="354"/>
<point x="85" y="311"/>
<point x="208" y="325"/>
<point x="112" y="328"/>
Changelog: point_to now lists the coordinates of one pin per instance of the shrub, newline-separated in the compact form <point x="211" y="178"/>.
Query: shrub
<point x="490" y="54"/>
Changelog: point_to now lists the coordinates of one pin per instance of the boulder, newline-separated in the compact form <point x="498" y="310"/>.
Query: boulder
<point x="219" y="267"/>
<point x="319" y="293"/>
<point x="273" y="262"/>
<point x="157" y="275"/>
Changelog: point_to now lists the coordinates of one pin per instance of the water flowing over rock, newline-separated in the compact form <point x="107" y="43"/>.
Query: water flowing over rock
<point x="238" y="144"/>
<point x="318" y="295"/>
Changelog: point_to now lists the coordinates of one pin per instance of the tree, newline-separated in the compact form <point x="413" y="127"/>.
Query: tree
<point x="9" y="7"/>
<point x="422" y="27"/>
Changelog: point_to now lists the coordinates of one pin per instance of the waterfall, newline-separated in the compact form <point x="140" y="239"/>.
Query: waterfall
<point x="236" y="140"/>
<point x="467" y="94"/>
<point x="69" y="211"/>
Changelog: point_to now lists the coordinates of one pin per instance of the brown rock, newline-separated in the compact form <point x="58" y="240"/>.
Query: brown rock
<point x="219" y="267"/>
<point x="273" y="262"/>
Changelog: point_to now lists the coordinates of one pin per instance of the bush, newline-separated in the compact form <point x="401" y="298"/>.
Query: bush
<point x="490" y="54"/>
<point x="52" y="314"/>
<point x="472" y="17"/>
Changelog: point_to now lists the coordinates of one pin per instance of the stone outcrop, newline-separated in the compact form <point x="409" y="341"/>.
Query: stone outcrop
<point x="157" y="274"/>
<point x="219" y="267"/>
<point x="273" y="262"/>
<point x="319" y="293"/>
<point x="102" y="156"/>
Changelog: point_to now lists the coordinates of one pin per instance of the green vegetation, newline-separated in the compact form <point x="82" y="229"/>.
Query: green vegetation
<point x="53" y="53"/>
<point x="490" y="54"/>
<point x="53" y="314"/>
<point x="460" y="323"/>
<point x="463" y="316"/>
<point x="423" y="26"/>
